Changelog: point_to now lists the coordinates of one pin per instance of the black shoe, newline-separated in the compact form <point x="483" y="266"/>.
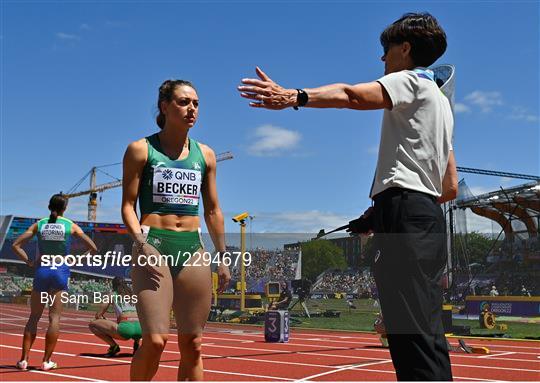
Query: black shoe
<point x="135" y="345"/>
<point x="113" y="350"/>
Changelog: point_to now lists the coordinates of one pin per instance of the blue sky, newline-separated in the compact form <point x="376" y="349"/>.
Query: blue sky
<point x="80" y="79"/>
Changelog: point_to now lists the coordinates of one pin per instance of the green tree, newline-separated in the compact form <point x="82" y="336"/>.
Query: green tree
<point x="367" y="253"/>
<point x="476" y="246"/>
<point x="320" y="255"/>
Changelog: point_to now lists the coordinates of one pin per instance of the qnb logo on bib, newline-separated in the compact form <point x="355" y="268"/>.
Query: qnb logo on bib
<point x="53" y="232"/>
<point x="176" y="186"/>
<point x="167" y="174"/>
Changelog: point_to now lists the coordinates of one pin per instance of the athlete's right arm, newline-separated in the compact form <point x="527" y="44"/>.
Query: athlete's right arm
<point x="267" y="94"/>
<point x="78" y="232"/>
<point x="21" y="240"/>
<point x="133" y="165"/>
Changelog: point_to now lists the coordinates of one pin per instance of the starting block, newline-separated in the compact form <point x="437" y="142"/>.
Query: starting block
<point x="276" y="326"/>
<point x="464" y="347"/>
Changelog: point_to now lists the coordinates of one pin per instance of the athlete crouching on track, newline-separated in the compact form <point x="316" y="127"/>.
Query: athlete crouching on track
<point x="167" y="172"/>
<point x="53" y="235"/>
<point x="127" y="324"/>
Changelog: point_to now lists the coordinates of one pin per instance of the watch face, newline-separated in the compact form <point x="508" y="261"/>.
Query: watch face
<point x="302" y="97"/>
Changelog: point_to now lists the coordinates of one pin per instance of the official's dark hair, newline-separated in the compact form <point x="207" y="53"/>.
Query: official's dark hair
<point x="57" y="205"/>
<point x="166" y="91"/>
<point x="120" y="286"/>
<point x="422" y="31"/>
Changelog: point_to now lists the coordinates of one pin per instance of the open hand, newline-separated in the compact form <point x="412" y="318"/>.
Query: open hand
<point x="266" y="92"/>
<point x="224" y="277"/>
<point x="143" y="256"/>
<point x="363" y="224"/>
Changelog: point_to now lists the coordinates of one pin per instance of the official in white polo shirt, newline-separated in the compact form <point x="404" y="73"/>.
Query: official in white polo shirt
<point x="415" y="173"/>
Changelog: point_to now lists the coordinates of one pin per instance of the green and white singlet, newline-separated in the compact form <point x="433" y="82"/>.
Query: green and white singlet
<point x="53" y="238"/>
<point x="171" y="186"/>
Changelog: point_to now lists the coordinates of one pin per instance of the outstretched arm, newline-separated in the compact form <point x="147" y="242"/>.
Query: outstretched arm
<point x="267" y="94"/>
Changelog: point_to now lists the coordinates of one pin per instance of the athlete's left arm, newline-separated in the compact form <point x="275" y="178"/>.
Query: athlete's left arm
<point x="78" y="232"/>
<point x="212" y="213"/>
<point x="100" y="313"/>
<point x="21" y="240"/>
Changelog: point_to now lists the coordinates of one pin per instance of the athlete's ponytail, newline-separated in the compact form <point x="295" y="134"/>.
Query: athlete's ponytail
<point x="57" y="205"/>
<point x="166" y="92"/>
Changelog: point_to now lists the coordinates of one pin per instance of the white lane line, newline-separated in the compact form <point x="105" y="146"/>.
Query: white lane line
<point x="490" y="345"/>
<point x="303" y="364"/>
<point x="161" y="365"/>
<point x="299" y="352"/>
<point x="350" y="367"/>
<point x="494" y="355"/>
<point x="54" y="373"/>
<point x="169" y="352"/>
<point x="300" y="334"/>
<point x="67" y="313"/>
<point x="274" y="351"/>
<point x="214" y="356"/>
<point x="44" y="328"/>
<point x="66" y="376"/>
<point x="43" y="320"/>
<point x="455" y="377"/>
<point x="495" y="368"/>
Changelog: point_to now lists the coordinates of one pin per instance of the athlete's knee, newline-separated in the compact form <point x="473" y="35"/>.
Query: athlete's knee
<point x="32" y="323"/>
<point x="54" y="317"/>
<point x="93" y="327"/>
<point x="156" y="343"/>
<point x="34" y="317"/>
<point x="190" y="346"/>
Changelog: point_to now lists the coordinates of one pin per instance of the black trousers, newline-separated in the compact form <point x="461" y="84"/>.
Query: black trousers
<point x="410" y="256"/>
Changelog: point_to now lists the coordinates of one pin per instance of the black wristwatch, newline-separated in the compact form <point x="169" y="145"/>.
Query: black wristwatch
<point x="301" y="98"/>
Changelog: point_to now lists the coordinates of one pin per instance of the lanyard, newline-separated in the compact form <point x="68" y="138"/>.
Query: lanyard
<point x="425" y="73"/>
<point x="430" y="75"/>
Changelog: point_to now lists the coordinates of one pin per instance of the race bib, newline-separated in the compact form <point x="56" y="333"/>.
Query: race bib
<point x="176" y="186"/>
<point x="53" y="232"/>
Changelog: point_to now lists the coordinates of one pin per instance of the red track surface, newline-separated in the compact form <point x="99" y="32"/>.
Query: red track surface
<point x="235" y="353"/>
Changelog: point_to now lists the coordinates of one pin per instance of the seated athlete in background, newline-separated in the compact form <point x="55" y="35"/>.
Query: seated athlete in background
<point x="127" y="324"/>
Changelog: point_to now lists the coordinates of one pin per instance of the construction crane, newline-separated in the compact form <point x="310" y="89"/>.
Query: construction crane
<point x="498" y="173"/>
<point x="95" y="189"/>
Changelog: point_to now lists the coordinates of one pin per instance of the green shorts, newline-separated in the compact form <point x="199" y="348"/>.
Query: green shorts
<point x="130" y="330"/>
<point x="177" y="246"/>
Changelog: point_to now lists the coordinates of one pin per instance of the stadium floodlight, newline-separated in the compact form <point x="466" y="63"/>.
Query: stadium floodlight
<point x="445" y="79"/>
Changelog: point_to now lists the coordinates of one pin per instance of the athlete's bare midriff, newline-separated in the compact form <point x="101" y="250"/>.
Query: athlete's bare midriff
<point x="171" y="222"/>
